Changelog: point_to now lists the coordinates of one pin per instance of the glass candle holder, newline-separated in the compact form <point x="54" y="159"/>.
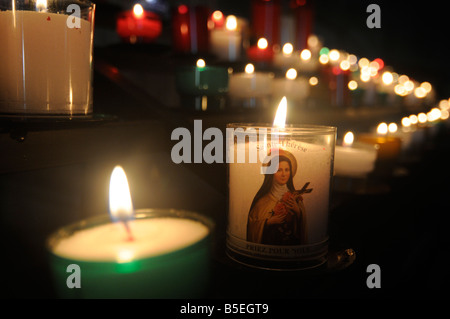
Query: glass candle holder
<point x="48" y="49"/>
<point x="202" y="88"/>
<point x="278" y="219"/>
<point x="168" y="258"/>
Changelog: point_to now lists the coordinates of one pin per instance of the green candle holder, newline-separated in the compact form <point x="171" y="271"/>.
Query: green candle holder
<point x="181" y="273"/>
<point x="202" y="88"/>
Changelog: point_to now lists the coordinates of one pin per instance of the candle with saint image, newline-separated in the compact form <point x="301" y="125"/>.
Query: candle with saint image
<point x="354" y="159"/>
<point x="279" y="220"/>
<point x="47" y="59"/>
<point x="146" y="253"/>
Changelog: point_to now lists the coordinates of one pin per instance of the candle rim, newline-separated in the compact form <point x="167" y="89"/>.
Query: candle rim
<point x="144" y="213"/>
<point x="304" y="129"/>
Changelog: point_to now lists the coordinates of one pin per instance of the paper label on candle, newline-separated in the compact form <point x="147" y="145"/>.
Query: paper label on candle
<point x="283" y="215"/>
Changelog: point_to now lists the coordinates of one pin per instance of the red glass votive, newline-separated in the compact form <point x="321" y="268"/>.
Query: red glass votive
<point x="138" y="28"/>
<point x="190" y="32"/>
<point x="266" y="20"/>
<point x="256" y="54"/>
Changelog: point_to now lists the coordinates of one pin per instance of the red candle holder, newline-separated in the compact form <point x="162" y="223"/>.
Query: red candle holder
<point x="304" y="19"/>
<point x="190" y="29"/>
<point x="138" y="25"/>
<point x="266" y="15"/>
<point x="256" y="54"/>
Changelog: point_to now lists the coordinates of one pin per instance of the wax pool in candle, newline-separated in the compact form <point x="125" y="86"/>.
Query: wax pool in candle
<point x="168" y="257"/>
<point x="300" y="241"/>
<point x="48" y="69"/>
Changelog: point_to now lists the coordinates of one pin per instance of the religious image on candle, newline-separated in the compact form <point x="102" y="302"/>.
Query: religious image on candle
<point x="277" y="215"/>
<point x="278" y="220"/>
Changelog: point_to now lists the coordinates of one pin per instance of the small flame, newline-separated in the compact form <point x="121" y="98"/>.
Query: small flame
<point x="120" y="205"/>
<point x="41" y="5"/>
<point x="305" y="55"/>
<point x="249" y="68"/>
<point x="231" y="23"/>
<point x="280" y="117"/>
<point x="138" y="11"/>
<point x="288" y="48"/>
<point x="392" y="127"/>
<point x="262" y="43"/>
<point x="291" y="74"/>
<point x="201" y="63"/>
<point x="382" y="128"/>
<point x="348" y="139"/>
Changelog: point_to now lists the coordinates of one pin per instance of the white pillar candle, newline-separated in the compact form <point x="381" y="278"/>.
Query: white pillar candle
<point x="226" y="43"/>
<point x="250" y="84"/>
<point x="354" y="159"/>
<point x="298" y="237"/>
<point x="293" y="87"/>
<point x="47" y="64"/>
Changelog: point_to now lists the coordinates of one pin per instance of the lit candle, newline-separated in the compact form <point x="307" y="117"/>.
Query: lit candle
<point x="226" y="43"/>
<point x="287" y="58"/>
<point x="47" y="60"/>
<point x="250" y="88"/>
<point x="138" y="25"/>
<point x="293" y="87"/>
<point x="202" y="87"/>
<point x="166" y="256"/>
<point x="389" y="148"/>
<point x="354" y="159"/>
<point x="278" y="210"/>
<point x="262" y="52"/>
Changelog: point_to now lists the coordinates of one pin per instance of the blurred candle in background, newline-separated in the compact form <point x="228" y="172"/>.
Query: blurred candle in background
<point x="138" y="25"/>
<point x="226" y="42"/>
<point x="190" y="32"/>
<point x="265" y="19"/>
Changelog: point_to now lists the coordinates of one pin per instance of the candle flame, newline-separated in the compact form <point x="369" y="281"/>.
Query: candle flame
<point x="231" y="23"/>
<point x="41" y="5"/>
<point x="201" y="63"/>
<point x="382" y="128"/>
<point x="288" y="48"/>
<point x="280" y="117"/>
<point x="249" y="68"/>
<point x="392" y="127"/>
<point x="262" y="43"/>
<point x="138" y="11"/>
<point x="348" y="139"/>
<point x="120" y="205"/>
<point x="291" y="74"/>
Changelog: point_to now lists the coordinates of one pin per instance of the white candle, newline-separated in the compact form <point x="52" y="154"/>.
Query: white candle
<point x="226" y="43"/>
<point x="354" y="159"/>
<point x="293" y="87"/>
<point x="306" y="162"/>
<point x="47" y="65"/>
<point x="152" y="237"/>
<point x="250" y="84"/>
<point x="287" y="57"/>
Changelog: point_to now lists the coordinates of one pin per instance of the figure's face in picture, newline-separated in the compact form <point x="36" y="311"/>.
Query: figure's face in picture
<point x="283" y="173"/>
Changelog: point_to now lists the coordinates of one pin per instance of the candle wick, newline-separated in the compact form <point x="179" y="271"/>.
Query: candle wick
<point x="128" y="229"/>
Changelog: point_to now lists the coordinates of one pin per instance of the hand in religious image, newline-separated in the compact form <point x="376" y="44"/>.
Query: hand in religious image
<point x="277" y="214"/>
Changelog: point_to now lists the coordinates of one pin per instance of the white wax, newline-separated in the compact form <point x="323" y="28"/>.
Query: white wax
<point x="287" y="61"/>
<point x="152" y="237"/>
<point x="297" y="89"/>
<point x="226" y="44"/>
<point x="354" y="161"/>
<point x="243" y="85"/>
<point x="46" y="65"/>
